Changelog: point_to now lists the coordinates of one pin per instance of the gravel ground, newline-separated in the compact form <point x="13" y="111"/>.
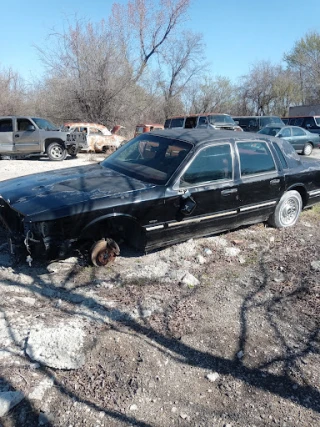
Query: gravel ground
<point x="238" y="347"/>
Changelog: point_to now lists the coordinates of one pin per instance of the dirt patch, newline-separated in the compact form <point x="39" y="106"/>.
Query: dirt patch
<point x="241" y="348"/>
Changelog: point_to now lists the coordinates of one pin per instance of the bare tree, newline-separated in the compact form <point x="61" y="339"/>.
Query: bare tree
<point x="304" y="59"/>
<point x="179" y="65"/>
<point x="92" y="70"/>
<point x="143" y="28"/>
<point x="212" y="95"/>
<point x="12" y="92"/>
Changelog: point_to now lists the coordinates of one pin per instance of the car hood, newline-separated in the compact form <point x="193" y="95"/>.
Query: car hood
<point x="75" y="190"/>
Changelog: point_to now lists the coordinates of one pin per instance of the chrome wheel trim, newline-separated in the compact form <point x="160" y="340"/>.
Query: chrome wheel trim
<point x="307" y="149"/>
<point x="290" y="211"/>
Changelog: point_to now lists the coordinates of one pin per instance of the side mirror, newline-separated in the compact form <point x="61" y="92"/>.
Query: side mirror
<point x="30" y="128"/>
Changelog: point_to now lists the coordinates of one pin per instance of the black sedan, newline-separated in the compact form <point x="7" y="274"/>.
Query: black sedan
<point x="301" y="139"/>
<point x="159" y="189"/>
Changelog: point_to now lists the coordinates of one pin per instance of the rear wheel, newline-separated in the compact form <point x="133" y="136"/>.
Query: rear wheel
<point x="307" y="149"/>
<point x="56" y="151"/>
<point x="103" y="252"/>
<point x="287" y="210"/>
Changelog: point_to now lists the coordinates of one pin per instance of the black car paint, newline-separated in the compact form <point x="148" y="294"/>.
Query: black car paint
<point x="60" y="206"/>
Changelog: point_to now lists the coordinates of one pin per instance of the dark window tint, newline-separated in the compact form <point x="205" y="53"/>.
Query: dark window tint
<point x="6" y="125"/>
<point x="297" y="122"/>
<point x="255" y="158"/>
<point x="167" y="123"/>
<point x="191" y="122"/>
<point x="177" y="123"/>
<point x="211" y="164"/>
<point x="23" y="124"/>
<point x="297" y="132"/>
<point x="309" y="122"/>
<point x="203" y="120"/>
<point x="281" y="156"/>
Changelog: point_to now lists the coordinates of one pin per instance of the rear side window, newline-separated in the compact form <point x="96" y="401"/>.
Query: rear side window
<point x="281" y="156"/>
<point x="297" y="132"/>
<point x="191" y="122"/>
<point x="177" y="122"/>
<point x="6" y="125"/>
<point x="255" y="158"/>
<point x="167" y="123"/>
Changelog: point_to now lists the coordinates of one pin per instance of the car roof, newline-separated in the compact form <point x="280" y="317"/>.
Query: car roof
<point x="198" y="135"/>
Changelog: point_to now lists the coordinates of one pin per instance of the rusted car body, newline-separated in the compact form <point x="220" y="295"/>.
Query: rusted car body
<point x="99" y="138"/>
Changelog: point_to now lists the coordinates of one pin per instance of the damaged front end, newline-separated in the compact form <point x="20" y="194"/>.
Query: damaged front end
<point x="31" y="239"/>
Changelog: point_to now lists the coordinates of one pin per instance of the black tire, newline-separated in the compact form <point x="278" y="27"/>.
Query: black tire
<point x="307" y="149"/>
<point x="73" y="151"/>
<point x="287" y="210"/>
<point x="56" y="151"/>
<point x="103" y="252"/>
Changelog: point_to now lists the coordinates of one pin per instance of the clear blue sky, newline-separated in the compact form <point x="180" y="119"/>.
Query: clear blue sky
<point x="237" y="33"/>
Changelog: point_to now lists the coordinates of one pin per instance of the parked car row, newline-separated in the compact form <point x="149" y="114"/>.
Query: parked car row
<point x="301" y="139"/>
<point x="161" y="188"/>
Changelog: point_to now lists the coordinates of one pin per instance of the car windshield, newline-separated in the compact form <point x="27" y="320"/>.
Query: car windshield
<point x="317" y="119"/>
<point x="270" y="130"/>
<point x="148" y="158"/>
<point x="44" y="124"/>
<point x="220" y="118"/>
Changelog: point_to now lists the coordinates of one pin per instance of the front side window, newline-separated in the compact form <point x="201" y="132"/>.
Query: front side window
<point x="211" y="164"/>
<point x="317" y="120"/>
<point x="285" y="133"/>
<point x="309" y="122"/>
<point x="255" y="158"/>
<point x="6" y="125"/>
<point x="23" y="124"/>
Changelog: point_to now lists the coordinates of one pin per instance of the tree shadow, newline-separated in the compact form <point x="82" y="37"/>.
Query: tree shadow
<point x="278" y="383"/>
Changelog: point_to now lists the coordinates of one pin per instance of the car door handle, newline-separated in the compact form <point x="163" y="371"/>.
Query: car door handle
<point x="228" y="192"/>
<point x="274" y="181"/>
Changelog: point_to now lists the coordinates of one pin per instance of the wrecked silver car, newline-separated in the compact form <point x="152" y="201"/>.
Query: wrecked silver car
<point x="160" y="188"/>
